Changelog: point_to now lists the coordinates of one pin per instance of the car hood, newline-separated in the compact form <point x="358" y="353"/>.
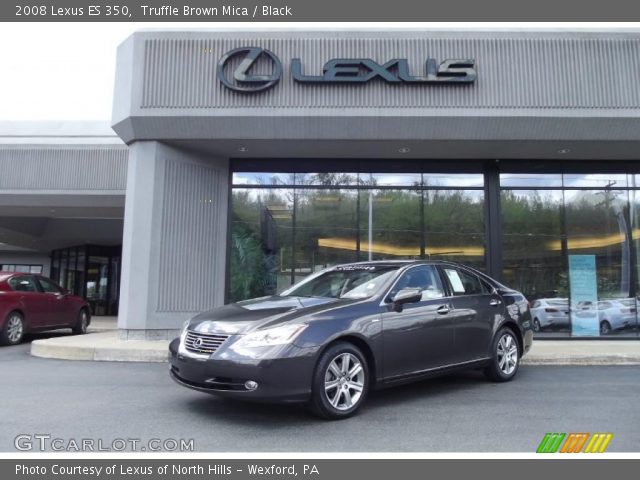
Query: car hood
<point x="242" y="317"/>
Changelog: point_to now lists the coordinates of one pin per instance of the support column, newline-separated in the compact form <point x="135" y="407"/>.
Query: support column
<point x="493" y="220"/>
<point x="175" y="235"/>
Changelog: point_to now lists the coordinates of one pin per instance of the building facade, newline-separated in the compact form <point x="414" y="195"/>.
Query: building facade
<point x="255" y="158"/>
<point x="62" y="192"/>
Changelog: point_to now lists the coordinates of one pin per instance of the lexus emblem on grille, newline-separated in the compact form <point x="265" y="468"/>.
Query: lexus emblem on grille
<point x="240" y="79"/>
<point x="197" y="343"/>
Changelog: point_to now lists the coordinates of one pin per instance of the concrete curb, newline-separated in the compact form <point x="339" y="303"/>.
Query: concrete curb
<point x="581" y="360"/>
<point x="100" y="347"/>
<point x="106" y="346"/>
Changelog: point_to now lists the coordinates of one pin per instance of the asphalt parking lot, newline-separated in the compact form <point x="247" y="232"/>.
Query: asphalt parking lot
<point x="464" y="412"/>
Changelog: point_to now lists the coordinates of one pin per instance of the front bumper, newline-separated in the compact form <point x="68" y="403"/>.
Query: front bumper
<point x="527" y="341"/>
<point x="283" y="374"/>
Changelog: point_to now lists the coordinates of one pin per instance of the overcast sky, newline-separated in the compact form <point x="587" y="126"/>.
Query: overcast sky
<point x="57" y="71"/>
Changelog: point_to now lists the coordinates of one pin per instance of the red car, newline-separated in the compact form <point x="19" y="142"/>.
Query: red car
<point x="32" y="303"/>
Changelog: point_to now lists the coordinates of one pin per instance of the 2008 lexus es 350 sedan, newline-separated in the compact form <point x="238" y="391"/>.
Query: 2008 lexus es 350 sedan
<point x="339" y="333"/>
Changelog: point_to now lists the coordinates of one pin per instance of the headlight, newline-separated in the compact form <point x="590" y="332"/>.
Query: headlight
<point x="183" y="335"/>
<point x="271" y="336"/>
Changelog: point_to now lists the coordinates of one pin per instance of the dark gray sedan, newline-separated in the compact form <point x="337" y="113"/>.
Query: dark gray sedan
<point x="343" y="331"/>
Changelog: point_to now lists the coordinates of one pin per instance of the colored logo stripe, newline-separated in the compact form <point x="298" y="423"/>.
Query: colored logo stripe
<point x="598" y="443"/>
<point x="574" y="442"/>
<point x="550" y="443"/>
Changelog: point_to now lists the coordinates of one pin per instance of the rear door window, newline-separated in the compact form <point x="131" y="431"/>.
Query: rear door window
<point x="464" y="283"/>
<point x="457" y="287"/>
<point x="23" y="284"/>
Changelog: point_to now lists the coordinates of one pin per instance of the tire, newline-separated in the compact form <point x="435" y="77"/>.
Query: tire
<point x="536" y="325"/>
<point x="13" y="330"/>
<point x="504" y="345"/>
<point x="349" y="390"/>
<point x="605" y="327"/>
<point x="82" y="323"/>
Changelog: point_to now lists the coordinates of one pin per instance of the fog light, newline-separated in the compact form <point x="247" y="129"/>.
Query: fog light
<point x="250" y="385"/>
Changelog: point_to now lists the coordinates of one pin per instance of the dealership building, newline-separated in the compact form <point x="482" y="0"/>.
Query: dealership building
<point x="242" y="161"/>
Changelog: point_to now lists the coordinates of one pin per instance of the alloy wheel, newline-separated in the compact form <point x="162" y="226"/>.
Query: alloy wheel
<point x="83" y="322"/>
<point x="507" y="354"/>
<point x="15" y="328"/>
<point x="344" y="381"/>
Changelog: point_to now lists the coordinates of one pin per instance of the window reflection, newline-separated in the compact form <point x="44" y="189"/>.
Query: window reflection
<point x="326" y="231"/>
<point x="562" y="235"/>
<point x="454" y="226"/>
<point x="391" y="224"/>
<point x="261" y="242"/>
<point x="573" y="253"/>
<point x="282" y="234"/>
<point x="533" y="261"/>
<point x="531" y="180"/>
<point x="261" y="178"/>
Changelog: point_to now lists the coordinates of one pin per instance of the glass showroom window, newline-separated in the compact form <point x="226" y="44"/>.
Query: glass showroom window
<point x="261" y="242"/>
<point x="454" y="226"/>
<point x="533" y="258"/>
<point x="634" y="254"/>
<point x="572" y="251"/>
<point x="326" y="229"/>
<point x="281" y="233"/>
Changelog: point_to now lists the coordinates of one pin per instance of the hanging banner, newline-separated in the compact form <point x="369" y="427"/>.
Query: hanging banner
<point x="584" y="296"/>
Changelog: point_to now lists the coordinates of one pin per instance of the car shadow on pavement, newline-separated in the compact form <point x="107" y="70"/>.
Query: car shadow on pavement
<point x="269" y="415"/>
<point x="30" y="337"/>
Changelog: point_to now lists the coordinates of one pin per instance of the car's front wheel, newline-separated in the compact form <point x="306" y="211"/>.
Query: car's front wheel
<point x="13" y="330"/>
<point x="536" y="325"/>
<point x="340" y="382"/>
<point x="82" y="323"/>
<point x="506" y="356"/>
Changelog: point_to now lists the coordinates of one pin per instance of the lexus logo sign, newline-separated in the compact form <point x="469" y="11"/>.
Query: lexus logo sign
<point x="241" y="80"/>
<point x="237" y="71"/>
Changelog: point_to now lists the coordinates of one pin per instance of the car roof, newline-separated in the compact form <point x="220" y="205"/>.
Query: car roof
<point x="404" y="263"/>
<point x="400" y="263"/>
<point x="5" y="275"/>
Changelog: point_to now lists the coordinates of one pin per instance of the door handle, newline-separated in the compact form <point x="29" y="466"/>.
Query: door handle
<point x="443" y="310"/>
<point x="494" y="302"/>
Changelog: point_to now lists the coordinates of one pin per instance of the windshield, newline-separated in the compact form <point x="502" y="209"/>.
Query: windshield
<point x="350" y="281"/>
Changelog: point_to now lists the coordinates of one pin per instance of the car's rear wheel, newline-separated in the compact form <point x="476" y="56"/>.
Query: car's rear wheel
<point x="82" y="323"/>
<point x="506" y="356"/>
<point x="605" y="327"/>
<point x="13" y="330"/>
<point x="340" y="382"/>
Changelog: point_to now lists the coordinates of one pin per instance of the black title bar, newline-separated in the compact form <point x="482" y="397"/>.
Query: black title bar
<point x="315" y="469"/>
<point x="319" y="11"/>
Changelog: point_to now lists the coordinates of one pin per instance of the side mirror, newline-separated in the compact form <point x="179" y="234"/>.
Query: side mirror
<point x="406" y="295"/>
<point x="66" y="292"/>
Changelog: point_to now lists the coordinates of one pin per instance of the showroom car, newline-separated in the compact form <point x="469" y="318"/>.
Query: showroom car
<point x="616" y="314"/>
<point x="550" y="313"/>
<point x="34" y="303"/>
<point x="345" y="330"/>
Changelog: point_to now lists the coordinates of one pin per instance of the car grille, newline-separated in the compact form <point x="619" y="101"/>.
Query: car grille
<point x="203" y="343"/>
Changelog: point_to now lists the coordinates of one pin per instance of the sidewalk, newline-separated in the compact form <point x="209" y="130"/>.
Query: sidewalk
<point x="103" y="344"/>
<point x="100" y="344"/>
